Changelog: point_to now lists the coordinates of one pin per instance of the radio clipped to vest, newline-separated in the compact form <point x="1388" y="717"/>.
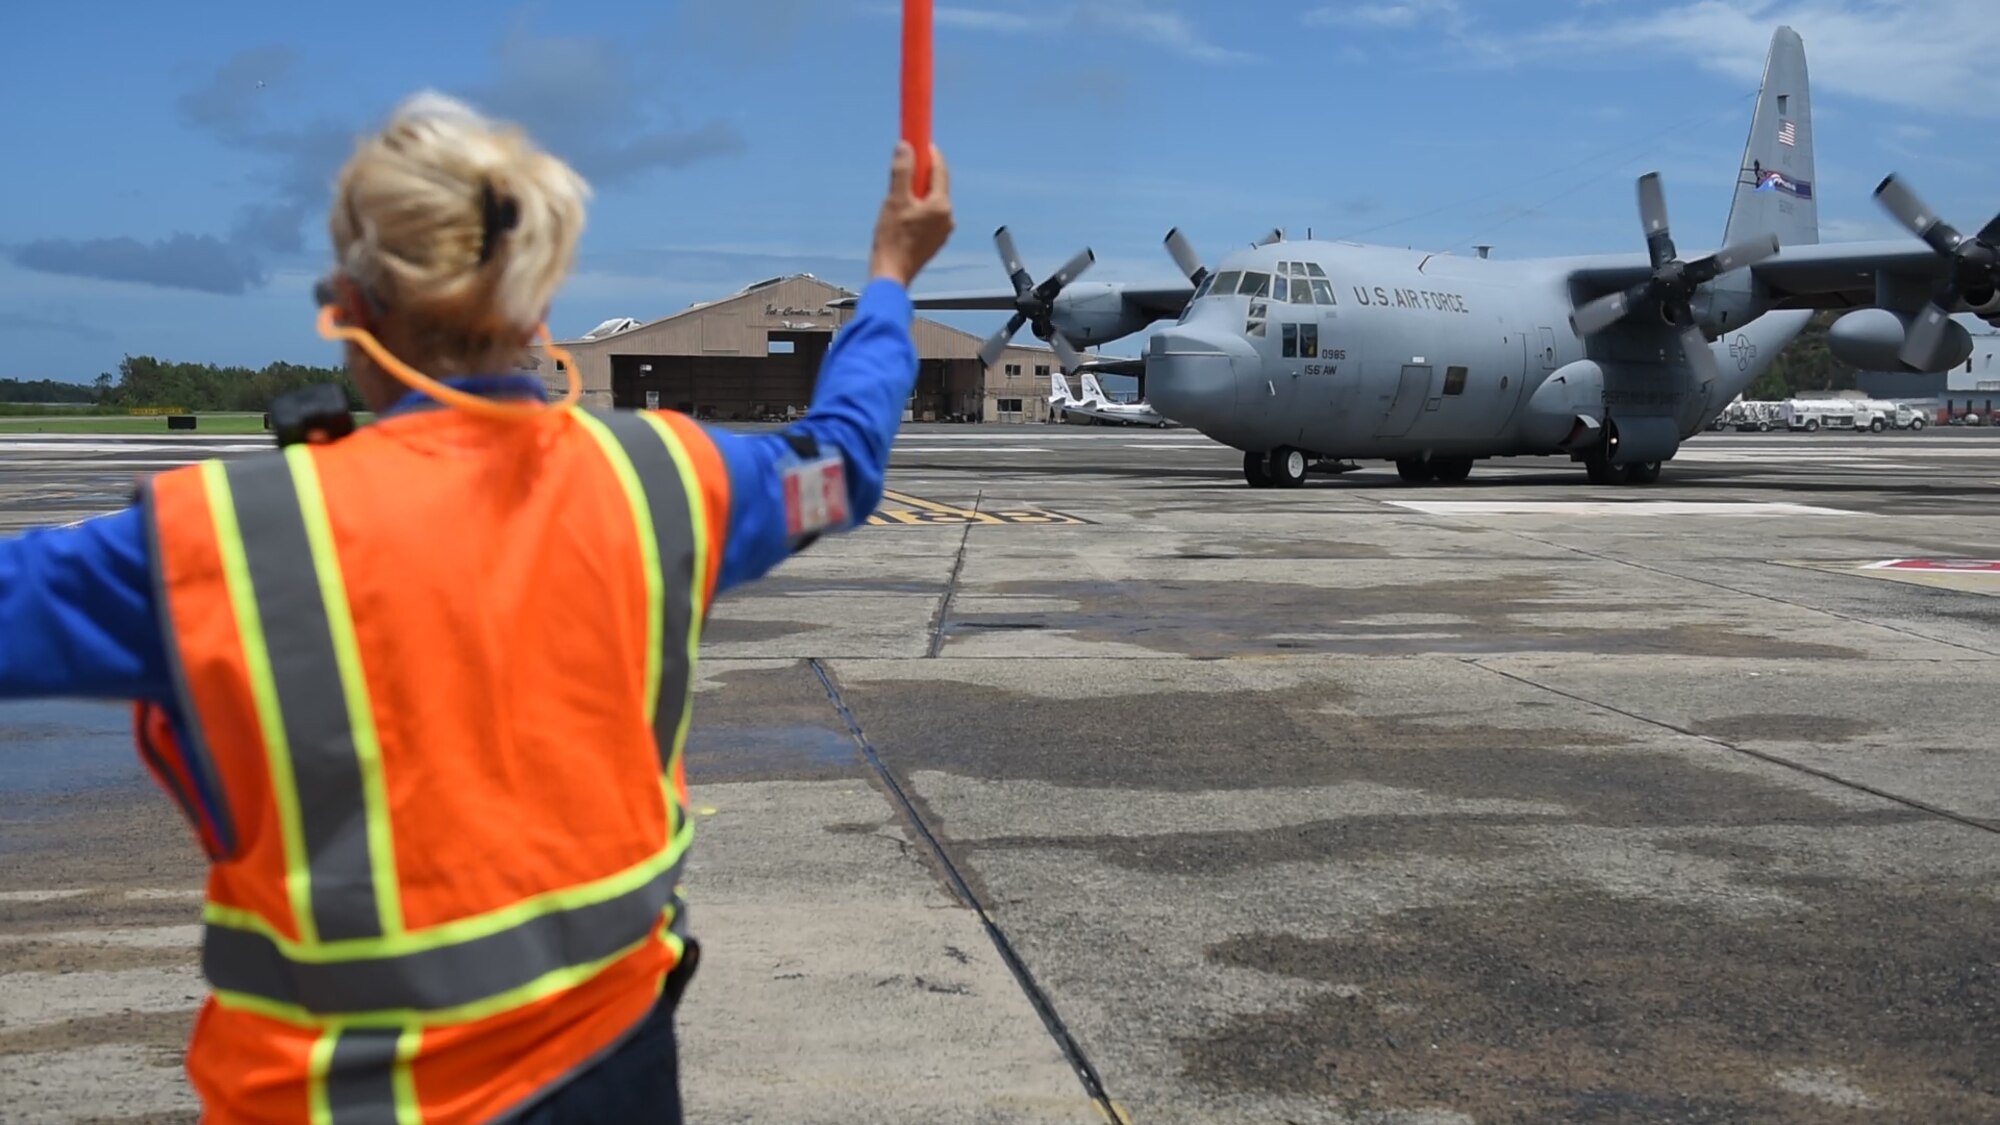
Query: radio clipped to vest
<point x="313" y="415"/>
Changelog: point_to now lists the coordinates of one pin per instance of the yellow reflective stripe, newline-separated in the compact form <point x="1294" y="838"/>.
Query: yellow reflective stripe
<point x="353" y="687"/>
<point x="409" y="1111"/>
<point x="264" y="690"/>
<point x="649" y="550"/>
<point x="548" y="984"/>
<point x="317" y="1065"/>
<point x="447" y="933"/>
<point x="697" y="607"/>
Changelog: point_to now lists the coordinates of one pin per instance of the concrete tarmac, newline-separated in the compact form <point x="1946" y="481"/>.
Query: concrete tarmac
<point x="1088" y="782"/>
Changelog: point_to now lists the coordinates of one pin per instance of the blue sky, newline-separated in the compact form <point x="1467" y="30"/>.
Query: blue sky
<point x="170" y="163"/>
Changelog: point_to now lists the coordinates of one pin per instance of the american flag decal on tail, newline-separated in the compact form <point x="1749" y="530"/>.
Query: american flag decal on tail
<point x="1788" y="134"/>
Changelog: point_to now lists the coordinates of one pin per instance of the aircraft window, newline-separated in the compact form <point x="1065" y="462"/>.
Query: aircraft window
<point x="1258" y="310"/>
<point x="1225" y="283"/>
<point x="1313" y="269"/>
<point x="1254" y="326"/>
<point x="1255" y="284"/>
<point x="1322" y="291"/>
<point x="1302" y="293"/>
<point x="1279" y="287"/>
<point x="1454" y="380"/>
<point x="1201" y="290"/>
<point x="1291" y="345"/>
<point x="1308" y="341"/>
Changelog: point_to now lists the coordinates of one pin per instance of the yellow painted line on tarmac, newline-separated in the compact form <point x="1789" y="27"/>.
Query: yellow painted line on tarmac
<point x="900" y="509"/>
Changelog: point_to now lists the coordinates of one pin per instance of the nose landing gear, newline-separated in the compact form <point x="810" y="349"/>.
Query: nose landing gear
<point x="1283" y="467"/>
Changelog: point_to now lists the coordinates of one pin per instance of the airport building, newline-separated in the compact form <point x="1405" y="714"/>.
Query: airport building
<point x="1973" y="385"/>
<point x="754" y="356"/>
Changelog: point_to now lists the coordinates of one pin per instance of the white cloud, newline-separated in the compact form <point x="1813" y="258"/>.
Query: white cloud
<point x="1930" y="55"/>
<point x="1402" y="13"/>
<point x="1134" y="20"/>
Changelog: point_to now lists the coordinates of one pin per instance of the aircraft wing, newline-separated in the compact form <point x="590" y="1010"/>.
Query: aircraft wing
<point x="1162" y="301"/>
<point x="1840" y="275"/>
<point x="1001" y="300"/>
<point x="1827" y="275"/>
<point x="1112" y="366"/>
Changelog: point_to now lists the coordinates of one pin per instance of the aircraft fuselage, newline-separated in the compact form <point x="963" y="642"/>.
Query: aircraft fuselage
<point x="1347" y="351"/>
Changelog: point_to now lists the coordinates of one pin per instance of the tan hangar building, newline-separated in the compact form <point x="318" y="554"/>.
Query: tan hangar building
<point x="754" y="356"/>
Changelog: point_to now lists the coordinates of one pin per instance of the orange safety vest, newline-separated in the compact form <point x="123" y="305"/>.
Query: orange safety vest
<point x="439" y="674"/>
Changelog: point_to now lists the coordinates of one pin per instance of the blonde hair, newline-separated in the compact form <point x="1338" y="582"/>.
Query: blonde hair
<point x="459" y="225"/>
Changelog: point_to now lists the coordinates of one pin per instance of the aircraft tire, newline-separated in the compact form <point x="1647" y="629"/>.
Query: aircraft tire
<point x="1288" y="467"/>
<point x="1414" y="469"/>
<point x="1451" y="470"/>
<point x="1645" y="472"/>
<point x="1257" y="470"/>
<point x="1602" y="471"/>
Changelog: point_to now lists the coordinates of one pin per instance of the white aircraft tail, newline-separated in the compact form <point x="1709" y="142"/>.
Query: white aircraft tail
<point x="1059" y="393"/>
<point x="1092" y="393"/>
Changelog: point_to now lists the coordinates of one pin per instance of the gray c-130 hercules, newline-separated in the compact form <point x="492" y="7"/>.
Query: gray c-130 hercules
<point x="1303" y="352"/>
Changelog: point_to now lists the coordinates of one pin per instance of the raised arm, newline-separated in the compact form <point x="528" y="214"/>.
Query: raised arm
<point x="857" y="406"/>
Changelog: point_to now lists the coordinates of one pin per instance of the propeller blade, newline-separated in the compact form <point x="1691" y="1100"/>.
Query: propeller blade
<point x="1897" y="198"/>
<point x="1695" y="346"/>
<point x="1048" y="289"/>
<point x="1653" y="217"/>
<point x="1748" y="252"/>
<point x="1600" y="314"/>
<point x="1010" y="258"/>
<point x="989" y="352"/>
<point x="1926" y="334"/>
<point x="1990" y="233"/>
<point x="1185" y="257"/>
<point x="1065" y="354"/>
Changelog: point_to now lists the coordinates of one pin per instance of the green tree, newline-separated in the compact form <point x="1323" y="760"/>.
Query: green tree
<point x="1806" y="364"/>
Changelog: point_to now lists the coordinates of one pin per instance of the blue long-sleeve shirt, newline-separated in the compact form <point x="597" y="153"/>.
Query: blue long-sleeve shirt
<point x="77" y="616"/>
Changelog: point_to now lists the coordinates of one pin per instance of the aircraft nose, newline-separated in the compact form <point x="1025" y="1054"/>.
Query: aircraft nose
<point x="1191" y="374"/>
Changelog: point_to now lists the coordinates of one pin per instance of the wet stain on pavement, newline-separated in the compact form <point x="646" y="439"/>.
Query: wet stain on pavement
<point x="768" y="724"/>
<point x="1497" y="615"/>
<point x="1785" y="728"/>
<point x="1580" y="1007"/>
<point x="1348" y="839"/>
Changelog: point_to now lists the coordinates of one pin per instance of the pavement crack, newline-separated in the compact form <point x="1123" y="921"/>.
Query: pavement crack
<point x="1037" y="996"/>
<point x="951" y="585"/>
<point x="1760" y="755"/>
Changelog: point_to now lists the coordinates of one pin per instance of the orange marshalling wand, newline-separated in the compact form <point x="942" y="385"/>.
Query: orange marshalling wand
<point x="917" y="88"/>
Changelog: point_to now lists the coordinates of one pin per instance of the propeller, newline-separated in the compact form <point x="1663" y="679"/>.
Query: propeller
<point x="1674" y="283"/>
<point x="1034" y="304"/>
<point x="1975" y="266"/>
<point x="1185" y="257"/>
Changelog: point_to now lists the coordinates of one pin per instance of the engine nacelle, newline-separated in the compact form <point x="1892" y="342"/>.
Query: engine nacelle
<point x="1986" y="305"/>
<point x="1090" y="313"/>
<point x="1872" y="338"/>
<point x="1566" y="409"/>
<point x="1632" y="441"/>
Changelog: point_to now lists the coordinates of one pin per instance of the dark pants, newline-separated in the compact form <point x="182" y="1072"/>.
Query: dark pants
<point x="636" y="1084"/>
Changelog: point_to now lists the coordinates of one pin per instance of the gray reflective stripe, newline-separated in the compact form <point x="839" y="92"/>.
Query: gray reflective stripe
<point x="446" y="977"/>
<point x="361" y="1077"/>
<point x="200" y="763"/>
<point x="326" y="771"/>
<point x="673" y="531"/>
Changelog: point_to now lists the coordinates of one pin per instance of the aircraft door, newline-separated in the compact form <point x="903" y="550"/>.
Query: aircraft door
<point x="1412" y="390"/>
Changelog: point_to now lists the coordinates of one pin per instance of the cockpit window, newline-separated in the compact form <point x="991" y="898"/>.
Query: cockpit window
<point x="1302" y="293"/>
<point x="1322" y="290"/>
<point x="1201" y="290"/>
<point x="1279" y="287"/>
<point x="1255" y="285"/>
<point x="1225" y="283"/>
<point x="1313" y="269"/>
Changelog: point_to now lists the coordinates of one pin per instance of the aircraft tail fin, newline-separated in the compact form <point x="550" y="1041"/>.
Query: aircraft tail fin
<point x="1775" y="189"/>
<point x="1092" y="392"/>
<point x="1059" y="394"/>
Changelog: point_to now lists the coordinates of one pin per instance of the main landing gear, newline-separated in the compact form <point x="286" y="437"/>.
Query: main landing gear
<point x="1601" y="471"/>
<point x="1444" y="470"/>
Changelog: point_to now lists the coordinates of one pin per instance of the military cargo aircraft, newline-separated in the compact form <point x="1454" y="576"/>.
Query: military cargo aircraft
<point x="1304" y="353"/>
